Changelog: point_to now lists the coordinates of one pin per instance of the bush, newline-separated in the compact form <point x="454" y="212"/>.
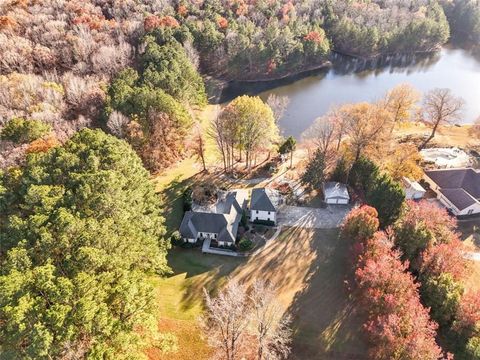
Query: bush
<point x="23" y="131"/>
<point x="187" y="199"/>
<point x="187" y="245"/>
<point x="245" y="244"/>
<point x="264" y="222"/>
<point x="176" y="238"/>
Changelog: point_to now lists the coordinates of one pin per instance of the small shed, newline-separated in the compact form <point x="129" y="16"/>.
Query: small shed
<point x="336" y="193"/>
<point x="413" y="190"/>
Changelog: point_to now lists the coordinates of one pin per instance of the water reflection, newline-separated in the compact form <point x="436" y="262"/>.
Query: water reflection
<point x="345" y="65"/>
<point x="352" y="80"/>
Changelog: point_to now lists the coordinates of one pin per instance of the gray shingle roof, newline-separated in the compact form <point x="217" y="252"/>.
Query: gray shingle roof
<point x="261" y="201"/>
<point x="224" y="222"/>
<point x="458" y="197"/>
<point x="460" y="186"/>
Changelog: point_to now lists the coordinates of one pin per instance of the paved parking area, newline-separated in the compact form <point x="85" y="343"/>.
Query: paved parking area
<point x="329" y="218"/>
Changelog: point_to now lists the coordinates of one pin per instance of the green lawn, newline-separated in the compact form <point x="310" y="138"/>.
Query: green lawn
<point x="308" y="268"/>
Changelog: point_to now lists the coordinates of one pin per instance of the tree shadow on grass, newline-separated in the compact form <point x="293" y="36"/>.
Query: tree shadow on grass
<point x="308" y="268"/>
<point x="326" y="323"/>
<point x="200" y="271"/>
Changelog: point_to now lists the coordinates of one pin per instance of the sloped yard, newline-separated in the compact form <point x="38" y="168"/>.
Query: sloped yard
<point x="306" y="265"/>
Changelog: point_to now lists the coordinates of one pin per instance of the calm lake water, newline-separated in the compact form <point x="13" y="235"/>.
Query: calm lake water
<point x="350" y="80"/>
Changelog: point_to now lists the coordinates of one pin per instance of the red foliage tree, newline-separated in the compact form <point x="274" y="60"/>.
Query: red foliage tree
<point x="468" y="314"/>
<point x="314" y="36"/>
<point x="423" y="225"/>
<point x="446" y="258"/>
<point x="182" y="10"/>
<point x="222" y="22"/>
<point x="360" y="224"/>
<point x="398" y="325"/>
<point x="152" y="22"/>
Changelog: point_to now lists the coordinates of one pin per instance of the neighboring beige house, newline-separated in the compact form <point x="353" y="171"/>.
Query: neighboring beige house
<point x="413" y="190"/>
<point x="457" y="189"/>
<point x="261" y="207"/>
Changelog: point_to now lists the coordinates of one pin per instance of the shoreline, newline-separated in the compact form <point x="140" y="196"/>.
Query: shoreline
<point x="325" y="64"/>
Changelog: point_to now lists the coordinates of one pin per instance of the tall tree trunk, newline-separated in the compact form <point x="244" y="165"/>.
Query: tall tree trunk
<point x="432" y="135"/>
<point x="358" y="153"/>
<point x="291" y="159"/>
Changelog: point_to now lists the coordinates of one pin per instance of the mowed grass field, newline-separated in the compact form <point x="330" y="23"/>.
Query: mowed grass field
<point x="307" y="266"/>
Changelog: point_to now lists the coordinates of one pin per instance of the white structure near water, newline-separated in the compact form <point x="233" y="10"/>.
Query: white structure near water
<point x="447" y="158"/>
<point x="336" y="193"/>
<point x="413" y="190"/>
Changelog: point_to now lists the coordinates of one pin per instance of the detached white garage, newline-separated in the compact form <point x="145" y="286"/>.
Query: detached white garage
<point x="336" y="193"/>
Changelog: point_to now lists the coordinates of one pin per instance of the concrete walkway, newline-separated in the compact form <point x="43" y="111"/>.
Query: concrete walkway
<point x="206" y="249"/>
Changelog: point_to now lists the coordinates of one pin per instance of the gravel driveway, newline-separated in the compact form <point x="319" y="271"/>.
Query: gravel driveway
<point x="329" y="218"/>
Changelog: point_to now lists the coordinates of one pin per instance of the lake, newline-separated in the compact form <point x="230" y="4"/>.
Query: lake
<point x="353" y="80"/>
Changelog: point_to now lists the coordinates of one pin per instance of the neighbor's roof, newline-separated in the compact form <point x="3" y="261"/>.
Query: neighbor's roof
<point x="460" y="186"/>
<point x="261" y="201"/>
<point x="467" y="179"/>
<point x="459" y="197"/>
<point x="335" y="190"/>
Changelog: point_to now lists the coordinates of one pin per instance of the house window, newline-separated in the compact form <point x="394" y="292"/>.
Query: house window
<point x="214" y="236"/>
<point x="470" y="212"/>
<point x="256" y="211"/>
<point x="269" y="213"/>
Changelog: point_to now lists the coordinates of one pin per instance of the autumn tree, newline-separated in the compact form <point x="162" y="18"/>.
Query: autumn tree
<point x="440" y="107"/>
<point x="271" y="327"/>
<point x="117" y="123"/>
<point x="360" y="224"/>
<point x="246" y="124"/>
<point x="365" y="125"/>
<point x="422" y="225"/>
<point x="247" y="323"/>
<point x="323" y="133"/>
<point x="226" y="320"/>
<point x="402" y="160"/>
<point x="397" y="325"/>
<point x="399" y="102"/>
<point x="159" y="124"/>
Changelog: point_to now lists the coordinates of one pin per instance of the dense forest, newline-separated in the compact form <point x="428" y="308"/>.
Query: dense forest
<point x="80" y="225"/>
<point x="133" y="67"/>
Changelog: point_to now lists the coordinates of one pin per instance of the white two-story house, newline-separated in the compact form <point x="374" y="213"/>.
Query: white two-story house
<point x="262" y="209"/>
